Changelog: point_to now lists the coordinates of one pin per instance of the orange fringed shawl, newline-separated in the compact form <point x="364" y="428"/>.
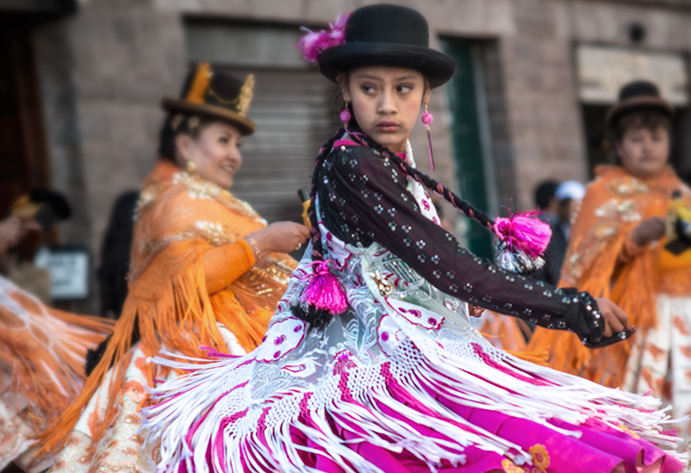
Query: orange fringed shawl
<point x="42" y="351"/>
<point x="602" y="260"/>
<point x="190" y="269"/>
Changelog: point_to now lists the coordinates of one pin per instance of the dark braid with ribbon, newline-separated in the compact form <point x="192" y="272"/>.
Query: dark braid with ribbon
<point x="520" y="243"/>
<point x="521" y="239"/>
<point x="323" y="296"/>
<point x="474" y="213"/>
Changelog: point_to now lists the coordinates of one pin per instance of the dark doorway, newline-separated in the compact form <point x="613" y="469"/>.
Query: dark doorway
<point x="23" y="160"/>
<point x="22" y="148"/>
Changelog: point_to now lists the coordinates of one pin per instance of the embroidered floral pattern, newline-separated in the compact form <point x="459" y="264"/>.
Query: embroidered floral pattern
<point x="629" y="185"/>
<point x="136" y="391"/>
<point x="122" y="449"/>
<point x="624" y="210"/>
<point x="213" y="232"/>
<point x="200" y="189"/>
<point x="623" y="428"/>
<point x="540" y="458"/>
<point x="510" y="467"/>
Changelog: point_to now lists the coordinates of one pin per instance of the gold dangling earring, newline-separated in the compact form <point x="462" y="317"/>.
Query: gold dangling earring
<point x="191" y="168"/>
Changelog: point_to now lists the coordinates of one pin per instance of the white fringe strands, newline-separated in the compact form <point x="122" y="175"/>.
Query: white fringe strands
<point x="216" y="412"/>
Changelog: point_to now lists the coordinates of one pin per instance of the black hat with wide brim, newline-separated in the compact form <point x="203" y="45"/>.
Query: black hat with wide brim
<point x="636" y="96"/>
<point x="387" y="35"/>
<point x="215" y="93"/>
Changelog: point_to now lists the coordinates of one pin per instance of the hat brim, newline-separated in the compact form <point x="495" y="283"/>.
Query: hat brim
<point x="638" y="103"/>
<point x="244" y="124"/>
<point x="436" y="66"/>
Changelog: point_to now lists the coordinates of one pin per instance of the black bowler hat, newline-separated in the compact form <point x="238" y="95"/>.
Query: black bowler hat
<point x="215" y="94"/>
<point x="387" y="35"/>
<point x="638" y="95"/>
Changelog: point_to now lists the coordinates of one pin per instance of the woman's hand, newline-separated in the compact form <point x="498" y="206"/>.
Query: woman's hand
<point x="281" y="237"/>
<point x="475" y="310"/>
<point x="649" y="230"/>
<point x="12" y="229"/>
<point x="616" y="320"/>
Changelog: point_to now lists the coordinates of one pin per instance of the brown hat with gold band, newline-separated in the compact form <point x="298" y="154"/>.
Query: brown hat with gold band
<point x="46" y="206"/>
<point x="215" y="94"/>
<point x="638" y="95"/>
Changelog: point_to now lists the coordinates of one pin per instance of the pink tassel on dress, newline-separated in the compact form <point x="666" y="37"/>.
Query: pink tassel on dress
<point x="324" y="291"/>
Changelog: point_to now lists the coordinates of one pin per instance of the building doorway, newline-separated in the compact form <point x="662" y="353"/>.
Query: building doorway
<point x="23" y="157"/>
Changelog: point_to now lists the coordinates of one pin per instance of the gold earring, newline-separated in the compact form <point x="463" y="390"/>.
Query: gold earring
<point x="191" y="168"/>
<point x="175" y="122"/>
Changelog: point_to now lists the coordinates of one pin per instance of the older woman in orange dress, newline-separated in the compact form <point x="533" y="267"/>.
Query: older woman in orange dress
<point x="620" y="248"/>
<point x="206" y="274"/>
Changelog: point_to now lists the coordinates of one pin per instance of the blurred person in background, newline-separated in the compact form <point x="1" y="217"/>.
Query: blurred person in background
<point x="42" y="350"/>
<point x="545" y="200"/>
<point x="115" y="255"/>
<point x="619" y="249"/>
<point x="568" y="196"/>
<point x="547" y="204"/>
<point x="16" y="257"/>
<point x="206" y="274"/>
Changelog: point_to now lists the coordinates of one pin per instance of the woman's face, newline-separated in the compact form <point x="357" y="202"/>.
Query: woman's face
<point x="386" y="102"/>
<point x="214" y="152"/>
<point x="644" y="152"/>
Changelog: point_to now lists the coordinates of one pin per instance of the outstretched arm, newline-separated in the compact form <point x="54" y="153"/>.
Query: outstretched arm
<point x="368" y="195"/>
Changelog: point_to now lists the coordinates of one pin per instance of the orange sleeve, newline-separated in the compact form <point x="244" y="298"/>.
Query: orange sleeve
<point x="225" y="264"/>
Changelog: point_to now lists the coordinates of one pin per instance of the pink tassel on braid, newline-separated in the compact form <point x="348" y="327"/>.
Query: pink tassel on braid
<point x="525" y="231"/>
<point x="324" y="290"/>
<point x="323" y="296"/>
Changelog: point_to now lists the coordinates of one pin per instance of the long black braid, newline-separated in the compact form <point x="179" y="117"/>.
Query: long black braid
<point x="474" y="213"/>
<point x="318" y="319"/>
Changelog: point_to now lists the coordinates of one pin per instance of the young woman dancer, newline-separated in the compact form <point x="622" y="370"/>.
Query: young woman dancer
<point x="370" y="363"/>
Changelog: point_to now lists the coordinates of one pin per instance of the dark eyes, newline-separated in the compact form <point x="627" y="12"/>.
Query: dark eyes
<point x="401" y="88"/>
